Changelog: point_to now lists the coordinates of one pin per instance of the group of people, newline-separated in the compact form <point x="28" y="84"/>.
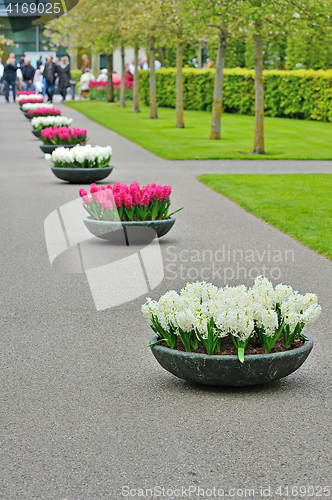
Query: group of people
<point x="142" y="64"/>
<point x="40" y="79"/>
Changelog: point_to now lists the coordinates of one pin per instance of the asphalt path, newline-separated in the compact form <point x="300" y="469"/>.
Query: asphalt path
<point x="86" y="411"/>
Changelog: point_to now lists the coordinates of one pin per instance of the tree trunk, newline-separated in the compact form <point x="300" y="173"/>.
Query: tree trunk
<point x="218" y="85"/>
<point x="153" y="92"/>
<point x="179" y="86"/>
<point x="135" y="91"/>
<point x="95" y="64"/>
<point x="73" y="60"/>
<point x="109" y="65"/>
<point x="123" y="75"/>
<point x="259" y="97"/>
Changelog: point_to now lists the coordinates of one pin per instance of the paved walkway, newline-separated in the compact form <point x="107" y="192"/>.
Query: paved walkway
<point x="86" y="410"/>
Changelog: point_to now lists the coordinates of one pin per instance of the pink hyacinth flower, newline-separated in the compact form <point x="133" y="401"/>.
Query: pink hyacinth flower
<point x="128" y="201"/>
<point x="166" y="192"/>
<point x="94" y="188"/>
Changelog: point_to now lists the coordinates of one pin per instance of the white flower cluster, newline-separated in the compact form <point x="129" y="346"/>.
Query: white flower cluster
<point x="32" y="106"/>
<point x="235" y="310"/>
<point x="31" y="97"/>
<point x="80" y="154"/>
<point x="50" y="121"/>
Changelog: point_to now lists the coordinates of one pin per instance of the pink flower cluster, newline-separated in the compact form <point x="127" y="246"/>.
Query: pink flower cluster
<point x="99" y="194"/>
<point x="26" y="92"/>
<point x="134" y="195"/>
<point x="116" y="84"/>
<point x="97" y="85"/>
<point x="44" y="112"/>
<point x="127" y="195"/>
<point x="64" y="134"/>
<point x="128" y="202"/>
<point x="33" y="101"/>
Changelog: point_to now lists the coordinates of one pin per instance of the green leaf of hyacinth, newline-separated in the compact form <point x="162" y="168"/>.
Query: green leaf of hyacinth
<point x="240" y="353"/>
<point x="155" y="343"/>
<point x="176" y="211"/>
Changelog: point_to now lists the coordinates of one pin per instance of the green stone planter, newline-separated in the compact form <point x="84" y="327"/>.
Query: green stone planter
<point x="227" y="370"/>
<point x="49" y="148"/>
<point x="81" y="175"/>
<point x="135" y="232"/>
<point x="36" y="133"/>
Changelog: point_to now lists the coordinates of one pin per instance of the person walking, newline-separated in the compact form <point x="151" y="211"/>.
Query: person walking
<point x="21" y="62"/>
<point x="145" y="64"/>
<point x="86" y="63"/>
<point x="9" y="76"/>
<point x="39" y="62"/>
<point x="50" y="73"/>
<point x="132" y="66"/>
<point x="103" y="76"/>
<point x="1" y="69"/>
<point x="85" y="79"/>
<point x="28" y="73"/>
<point x="64" y="77"/>
<point x="1" y="75"/>
<point x="38" y="81"/>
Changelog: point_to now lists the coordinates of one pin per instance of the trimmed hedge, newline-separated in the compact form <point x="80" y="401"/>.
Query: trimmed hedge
<point x="76" y="75"/>
<point x="304" y="94"/>
<point x="101" y="94"/>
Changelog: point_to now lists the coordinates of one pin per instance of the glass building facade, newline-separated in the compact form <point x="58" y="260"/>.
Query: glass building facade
<point x="31" y="40"/>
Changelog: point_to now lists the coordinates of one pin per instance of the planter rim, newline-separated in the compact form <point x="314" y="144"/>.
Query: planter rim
<point x="70" y="169"/>
<point x="251" y="357"/>
<point x="54" y="146"/>
<point x="129" y="222"/>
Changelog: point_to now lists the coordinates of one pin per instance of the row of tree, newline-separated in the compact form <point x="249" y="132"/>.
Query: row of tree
<point x="104" y="25"/>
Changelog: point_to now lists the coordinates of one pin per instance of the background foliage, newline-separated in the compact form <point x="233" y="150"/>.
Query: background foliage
<point x="303" y="94"/>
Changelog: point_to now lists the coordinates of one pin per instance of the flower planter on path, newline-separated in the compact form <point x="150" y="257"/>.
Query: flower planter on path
<point x="227" y="370"/>
<point x="81" y="175"/>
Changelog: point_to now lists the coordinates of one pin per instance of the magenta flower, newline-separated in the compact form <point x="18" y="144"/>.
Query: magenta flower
<point x="128" y="201"/>
<point x="107" y="205"/>
<point x="94" y="188"/>
<point x="150" y="202"/>
<point x="166" y="192"/>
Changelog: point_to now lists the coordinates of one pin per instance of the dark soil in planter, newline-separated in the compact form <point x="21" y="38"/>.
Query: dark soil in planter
<point x="228" y="348"/>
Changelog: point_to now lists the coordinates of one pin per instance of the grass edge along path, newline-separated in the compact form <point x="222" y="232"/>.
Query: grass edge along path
<point x="299" y="205"/>
<point x="285" y="138"/>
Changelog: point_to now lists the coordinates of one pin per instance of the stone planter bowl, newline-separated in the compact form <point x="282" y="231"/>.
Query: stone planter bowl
<point x="36" y="133"/>
<point x="49" y="148"/>
<point x="81" y="175"/>
<point x="28" y="116"/>
<point x="136" y="232"/>
<point x="227" y="370"/>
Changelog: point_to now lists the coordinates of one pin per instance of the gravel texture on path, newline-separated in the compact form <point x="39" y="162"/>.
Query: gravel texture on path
<point x="86" y="411"/>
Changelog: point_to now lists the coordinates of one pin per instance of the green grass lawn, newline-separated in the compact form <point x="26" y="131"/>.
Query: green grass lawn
<point x="300" y="205"/>
<point x="284" y="138"/>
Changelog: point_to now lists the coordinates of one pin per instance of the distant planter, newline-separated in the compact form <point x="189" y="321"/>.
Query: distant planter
<point x="31" y="100"/>
<point x="141" y="212"/>
<point x="55" y="137"/>
<point x="44" y="122"/>
<point x="37" y="133"/>
<point x="49" y="148"/>
<point x="106" y="229"/>
<point x="42" y="112"/>
<point x="81" y="175"/>
<point x="81" y="164"/>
